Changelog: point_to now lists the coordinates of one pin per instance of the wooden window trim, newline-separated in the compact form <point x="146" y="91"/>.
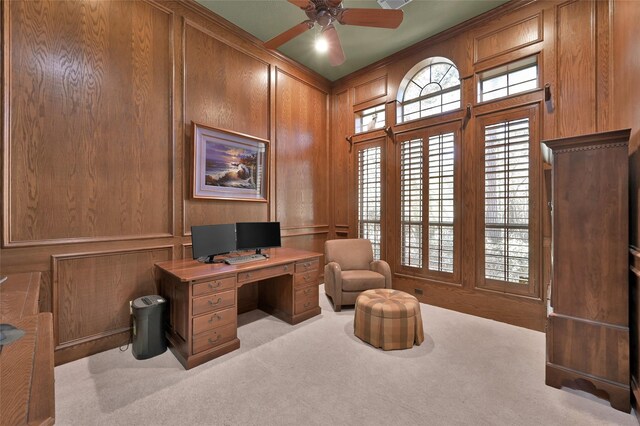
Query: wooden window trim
<point x="424" y="272"/>
<point x="357" y="147"/>
<point x="532" y="112"/>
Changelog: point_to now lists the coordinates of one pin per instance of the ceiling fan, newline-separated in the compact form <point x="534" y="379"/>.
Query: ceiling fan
<point x="325" y="13"/>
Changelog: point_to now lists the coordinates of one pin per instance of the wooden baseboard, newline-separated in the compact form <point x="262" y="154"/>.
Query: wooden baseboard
<point x="520" y="311"/>
<point x="91" y="347"/>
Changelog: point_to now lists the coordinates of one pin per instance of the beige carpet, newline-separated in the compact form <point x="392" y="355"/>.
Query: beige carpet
<point x="469" y="370"/>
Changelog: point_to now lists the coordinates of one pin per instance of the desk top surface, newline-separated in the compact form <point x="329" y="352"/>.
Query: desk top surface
<point x="187" y="270"/>
<point x="19" y="296"/>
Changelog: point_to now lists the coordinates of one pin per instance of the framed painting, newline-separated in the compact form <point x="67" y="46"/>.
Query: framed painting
<point x="229" y="165"/>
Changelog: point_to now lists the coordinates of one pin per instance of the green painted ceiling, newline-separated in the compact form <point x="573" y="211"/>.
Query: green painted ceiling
<point x="362" y="45"/>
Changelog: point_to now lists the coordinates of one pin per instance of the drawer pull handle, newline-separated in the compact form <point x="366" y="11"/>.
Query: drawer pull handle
<point x="306" y="305"/>
<point x="248" y="276"/>
<point x="217" y="284"/>
<point x="307" y="264"/>
<point x="286" y="267"/>
<point x="307" y="291"/>
<point x="212" y="303"/>
<point x="211" y="341"/>
<point x="306" y="277"/>
<point x="215" y="317"/>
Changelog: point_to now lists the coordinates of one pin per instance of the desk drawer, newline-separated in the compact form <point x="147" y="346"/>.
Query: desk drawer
<point x="305" y="299"/>
<point x="259" y="274"/>
<point x="308" y="265"/>
<point x="214" y="302"/>
<point x="303" y="279"/>
<point x="214" y="320"/>
<point x="214" y="338"/>
<point x="207" y="287"/>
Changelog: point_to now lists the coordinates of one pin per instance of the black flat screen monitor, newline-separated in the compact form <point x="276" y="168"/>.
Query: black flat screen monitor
<point x="257" y="235"/>
<point x="211" y="240"/>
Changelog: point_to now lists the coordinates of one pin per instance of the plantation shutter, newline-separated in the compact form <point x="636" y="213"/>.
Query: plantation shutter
<point x="507" y="201"/>
<point x="370" y="196"/>
<point x="441" y="202"/>
<point x="411" y="203"/>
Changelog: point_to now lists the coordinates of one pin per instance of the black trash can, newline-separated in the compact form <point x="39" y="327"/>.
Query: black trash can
<point x="148" y="326"/>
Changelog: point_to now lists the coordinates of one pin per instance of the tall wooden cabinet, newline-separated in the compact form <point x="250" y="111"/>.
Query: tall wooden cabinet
<point x="588" y="319"/>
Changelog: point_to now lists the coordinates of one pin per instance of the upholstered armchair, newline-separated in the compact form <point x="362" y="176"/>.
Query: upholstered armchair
<point x="350" y="269"/>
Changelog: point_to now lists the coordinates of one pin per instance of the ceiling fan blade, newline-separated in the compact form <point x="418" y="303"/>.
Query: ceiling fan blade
<point x="381" y="18"/>
<point x="281" y="39"/>
<point x="303" y="4"/>
<point x="336" y="54"/>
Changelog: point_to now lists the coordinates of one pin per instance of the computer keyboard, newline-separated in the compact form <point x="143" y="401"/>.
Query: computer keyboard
<point x="244" y="259"/>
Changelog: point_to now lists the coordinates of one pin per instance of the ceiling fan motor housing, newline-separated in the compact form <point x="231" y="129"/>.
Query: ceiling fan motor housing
<point x="324" y="13"/>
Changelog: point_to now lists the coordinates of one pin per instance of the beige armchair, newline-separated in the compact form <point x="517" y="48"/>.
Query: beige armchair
<point x="350" y="269"/>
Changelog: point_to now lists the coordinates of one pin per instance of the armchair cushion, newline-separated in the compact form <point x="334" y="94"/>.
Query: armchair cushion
<point x="350" y="254"/>
<point x="361" y="280"/>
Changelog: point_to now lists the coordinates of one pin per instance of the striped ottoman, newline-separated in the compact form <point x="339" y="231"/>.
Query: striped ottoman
<point x="388" y="319"/>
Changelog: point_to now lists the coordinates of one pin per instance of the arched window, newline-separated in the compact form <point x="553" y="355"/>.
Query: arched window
<point x="429" y="88"/>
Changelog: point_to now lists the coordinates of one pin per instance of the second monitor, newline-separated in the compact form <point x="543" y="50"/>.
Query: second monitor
<point x="257" y="235"/>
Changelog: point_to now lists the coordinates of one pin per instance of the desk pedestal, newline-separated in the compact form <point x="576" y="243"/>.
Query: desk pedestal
<point x="204" y="299"/>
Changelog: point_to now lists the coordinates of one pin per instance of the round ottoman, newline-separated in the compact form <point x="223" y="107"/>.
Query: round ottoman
<point x="388" y="319"/>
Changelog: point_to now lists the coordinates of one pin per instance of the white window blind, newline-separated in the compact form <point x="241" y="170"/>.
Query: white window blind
<point x="370" y="196"/>
<point x="411" y="203"/>
<point x="507" y="201"/>
<point x="441" y="202"/>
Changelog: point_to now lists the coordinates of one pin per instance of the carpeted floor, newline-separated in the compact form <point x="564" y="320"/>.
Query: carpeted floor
<point x="469" y="370"/>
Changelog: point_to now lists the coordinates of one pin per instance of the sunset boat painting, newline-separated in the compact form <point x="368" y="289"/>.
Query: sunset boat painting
<point x="229" y="165"/>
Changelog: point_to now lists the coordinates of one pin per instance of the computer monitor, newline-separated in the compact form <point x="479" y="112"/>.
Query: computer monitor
<point x="211" y="240"/>
<point x="257" y="235"/>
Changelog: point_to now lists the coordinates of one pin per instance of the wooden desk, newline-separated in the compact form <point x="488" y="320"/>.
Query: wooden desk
<point x="203" y="299"/>
<point x="26" y="365"/>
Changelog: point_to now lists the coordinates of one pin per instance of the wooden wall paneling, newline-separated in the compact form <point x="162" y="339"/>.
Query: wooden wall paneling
<point x="311" y="241"/>
<point x="241" y="40"/>
<point x="548" y="75"/>
<point x="576" y="68"/>
<point x="90" y="125"/>
<point x="340" y="161"/>
<point x="604" y="65"/>
<point x="302" y="169"/>
<point x="224" y="88"/>
<point x="370" y="90"/>
<point x="390" y="192"/>
<point x="519" y="311"/>
<point x="92" y="290"/>
<point x="511" y="37"/>
<point x="471" y="151"/>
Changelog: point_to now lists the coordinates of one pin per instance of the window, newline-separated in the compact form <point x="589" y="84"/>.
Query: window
<point x="433" y="89"/>
<point x="370" y="119"/>
<point x="507" y="80"/>
<point x="441" y="202"/>
<point x="506" y="174"/>
<point x="411" y="203"/>
<point x="427" y="173"/>
<point x="370" y="196"/>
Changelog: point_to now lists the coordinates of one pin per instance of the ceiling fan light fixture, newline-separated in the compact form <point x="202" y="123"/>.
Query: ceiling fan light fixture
<point x="321" y="44"/>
